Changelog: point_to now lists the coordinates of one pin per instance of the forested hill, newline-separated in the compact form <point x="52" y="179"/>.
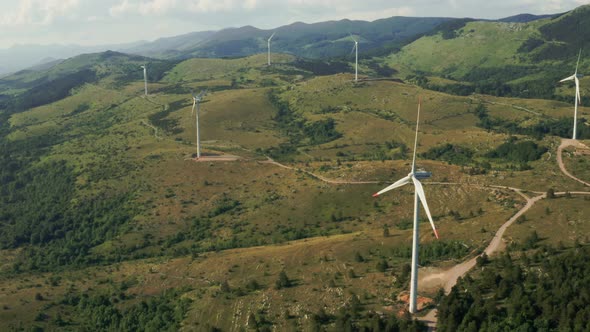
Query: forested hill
<point x="524" y="60"/>
<point x="318" y="40"/>
<point x="545" y="291"/>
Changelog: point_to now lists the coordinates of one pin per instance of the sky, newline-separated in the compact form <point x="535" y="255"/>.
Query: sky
<point x="100" y="22"/>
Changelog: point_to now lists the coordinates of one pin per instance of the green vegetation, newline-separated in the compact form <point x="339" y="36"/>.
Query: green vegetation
<point x="100" y="312"/>
<point x="562" y="127"/>
<point x="528" y="294"/>
<point x="518" y="151"/>
<point x="435" y="251"/>
<point x="299" y="131"/>
<point x="450" y="153"/>
<point x="351" y="317"/>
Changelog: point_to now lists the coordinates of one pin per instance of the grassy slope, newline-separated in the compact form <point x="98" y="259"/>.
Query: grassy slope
<point x="478" y="44"/>
<point x="488" y="45"/>
<point x="112" y="150"/>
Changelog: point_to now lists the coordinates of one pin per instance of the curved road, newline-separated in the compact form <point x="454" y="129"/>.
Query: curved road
<point x="449" y="278"/>
<point x="564" y="144"/>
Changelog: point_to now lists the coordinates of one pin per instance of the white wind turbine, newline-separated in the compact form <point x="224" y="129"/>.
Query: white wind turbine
<point x="145" y="78"/>
<point x="197" y="102"/>
<point x="268" y="42"/>
<point x="577" y="98"/>
<point x="419" y="196"/>
<point x="356" y="62"/>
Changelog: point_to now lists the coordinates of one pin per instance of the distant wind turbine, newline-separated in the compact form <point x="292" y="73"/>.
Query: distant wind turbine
<point x="419" y="196"/>
<point x="356" y="62"/>
<point x="145" y="78"/>
<point x="577" y="99"/>
<point x="269" y="39"/>
<point x="197" y="102"/>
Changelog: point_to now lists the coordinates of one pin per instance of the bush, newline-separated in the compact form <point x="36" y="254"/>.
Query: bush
<point x="283" y="281"/>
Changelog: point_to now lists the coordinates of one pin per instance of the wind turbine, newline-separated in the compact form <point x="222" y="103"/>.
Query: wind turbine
<point x="197" y="102"/>
<point x="269" y="39"/>
<point x="577" y="99"/>
<point x="145" y="77"/>
<point x="356" y="62"/>
<point x="419" y="196"/>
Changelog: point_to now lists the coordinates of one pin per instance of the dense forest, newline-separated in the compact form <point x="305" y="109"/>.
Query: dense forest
<point x="544" y="290"/>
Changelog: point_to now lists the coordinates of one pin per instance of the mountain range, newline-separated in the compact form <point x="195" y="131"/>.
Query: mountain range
<point x="317" y="40"/>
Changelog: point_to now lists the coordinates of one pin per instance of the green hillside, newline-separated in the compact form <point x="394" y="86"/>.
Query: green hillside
<point x="505" y="59"/>
<point x="107" y="221"/>
<point x="317" y="40"/>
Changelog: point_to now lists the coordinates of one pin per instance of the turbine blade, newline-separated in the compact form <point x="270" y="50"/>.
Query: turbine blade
<point x="273" y="34"/>
<point x="568" y="79"/>
<point x="352" y="51"/>
<point x="397" y="184"/>
<point x="352" y="37"/>
<point x="416" y="139"/>
<point x="579" y="99"/>
<point x="420" y="191"/>
<point x="194" y="103"/>
<point x="578" y="63"/>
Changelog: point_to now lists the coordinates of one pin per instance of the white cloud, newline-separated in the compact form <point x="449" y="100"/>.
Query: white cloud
<point x="122" y="8"/>
<point x="157" y="7"/>
<point x="39" y="12"/>
<point x="163" y="7"/>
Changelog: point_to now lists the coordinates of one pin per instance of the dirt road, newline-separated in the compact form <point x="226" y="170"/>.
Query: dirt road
<point x="317" y="176"/>
<point x="447" y="279"/>
<point x="564" y="144"/>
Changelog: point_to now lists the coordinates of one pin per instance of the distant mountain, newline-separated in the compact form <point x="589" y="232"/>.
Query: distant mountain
<point x="318" y="40"/>
<point x="170" y="46"/>
<point x="525" y="18"/>
<point x="19" y="57"/>
<point x="34" y="87"/>
<point x="45" y="64"/>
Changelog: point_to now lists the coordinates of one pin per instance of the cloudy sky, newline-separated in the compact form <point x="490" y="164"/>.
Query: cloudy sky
<point x="92" y="22"/>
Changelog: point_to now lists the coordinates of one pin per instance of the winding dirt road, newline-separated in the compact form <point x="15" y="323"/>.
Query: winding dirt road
<point x="317" y="176"/>
<point x="448" y="278"/>
<point x="564" y="144"/>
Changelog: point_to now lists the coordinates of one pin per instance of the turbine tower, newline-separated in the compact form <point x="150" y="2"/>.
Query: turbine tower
<point x="145" y="78"/>
<point x="356" y="62"/>
<point x="269" y="39"/>
<point x="419" y="196"/>
<point x="197" y="102"/>
<point x="577" y="99"/>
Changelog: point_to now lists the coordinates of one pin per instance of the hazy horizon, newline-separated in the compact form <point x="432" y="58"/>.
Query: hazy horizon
<point x="96" y="23"/>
